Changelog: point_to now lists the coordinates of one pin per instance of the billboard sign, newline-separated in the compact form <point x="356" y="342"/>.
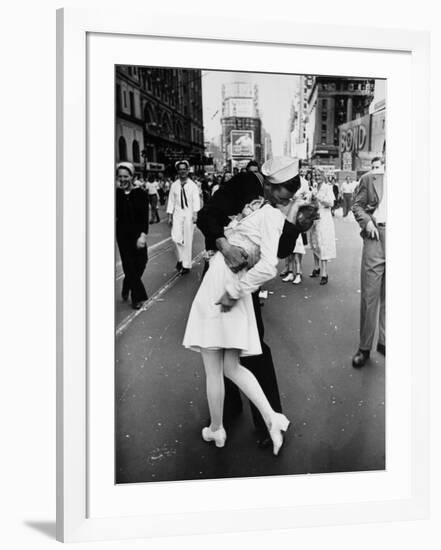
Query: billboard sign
<point x="242" y="143"/>
<point x="355" y="135"/>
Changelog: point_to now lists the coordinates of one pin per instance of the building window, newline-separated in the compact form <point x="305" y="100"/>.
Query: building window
<point x="122" y="149"/>
<point x="178" y="130"/>
<point x="125" y="99"/>
<point x="135" y="151"/>
<point x="118" y="97"/>
<point x="132" y="103"/>
<point x="148" y="114"/>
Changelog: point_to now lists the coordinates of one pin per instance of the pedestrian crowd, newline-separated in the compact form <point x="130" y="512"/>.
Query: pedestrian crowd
<point x="250" y="219"/>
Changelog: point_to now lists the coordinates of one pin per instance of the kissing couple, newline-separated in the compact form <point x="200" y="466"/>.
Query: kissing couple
<point x="225" y="323"/>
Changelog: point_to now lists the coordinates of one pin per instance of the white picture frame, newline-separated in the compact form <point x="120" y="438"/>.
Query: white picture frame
<point x="74" y="521"/>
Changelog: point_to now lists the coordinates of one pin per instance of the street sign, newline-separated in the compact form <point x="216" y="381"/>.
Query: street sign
<point x="155" y="166"/>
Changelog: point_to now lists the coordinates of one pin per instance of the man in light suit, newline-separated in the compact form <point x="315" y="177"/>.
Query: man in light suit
<point x="369" y="209"/>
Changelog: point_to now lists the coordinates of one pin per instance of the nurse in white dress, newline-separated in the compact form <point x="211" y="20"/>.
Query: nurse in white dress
<point x="322" y="236"/>
<point x="223" y="334"/>
<point x="182" y="208"/>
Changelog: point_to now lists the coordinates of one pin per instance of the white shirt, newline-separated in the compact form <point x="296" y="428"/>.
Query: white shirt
<point x="152" y="187"/>
<point x="347" y="187"/>
<point x="183" y="199"/>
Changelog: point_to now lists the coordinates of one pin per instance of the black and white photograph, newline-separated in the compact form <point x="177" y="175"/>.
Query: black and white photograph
<point x="250" y="267"/>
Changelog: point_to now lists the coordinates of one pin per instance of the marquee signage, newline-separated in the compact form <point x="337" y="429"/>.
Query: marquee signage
<point x="155" y="166"/>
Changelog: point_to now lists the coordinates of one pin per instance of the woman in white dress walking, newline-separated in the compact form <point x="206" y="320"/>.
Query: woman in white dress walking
<point x="322" y="236"/>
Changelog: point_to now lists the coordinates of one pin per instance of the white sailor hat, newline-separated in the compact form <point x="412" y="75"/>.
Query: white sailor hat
<point x="187" y="164"/>
<point x="127" y="165"/>
<point x="280" y="169"/>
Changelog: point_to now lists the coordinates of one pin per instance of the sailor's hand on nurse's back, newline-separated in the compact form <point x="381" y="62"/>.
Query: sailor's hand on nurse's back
<point x="170" y="219"/>
<point x="235" y="257"/>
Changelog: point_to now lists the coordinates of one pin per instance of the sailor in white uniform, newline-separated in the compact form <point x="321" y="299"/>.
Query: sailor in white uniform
<point x="182" y="208"/>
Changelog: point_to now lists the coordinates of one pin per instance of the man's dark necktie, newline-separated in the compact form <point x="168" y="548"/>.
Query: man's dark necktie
<point x="183" y="198"/>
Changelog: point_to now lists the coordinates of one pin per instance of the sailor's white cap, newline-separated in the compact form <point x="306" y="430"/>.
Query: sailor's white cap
<point x="187" y="164"/>
<point x="127" y="165"/>
<point x="280" y="169"/>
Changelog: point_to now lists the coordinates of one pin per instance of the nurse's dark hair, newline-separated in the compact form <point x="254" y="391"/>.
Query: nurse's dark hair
<point x="292" y="185"/>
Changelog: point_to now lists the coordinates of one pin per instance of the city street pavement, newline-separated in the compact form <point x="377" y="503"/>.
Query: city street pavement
<point x="337" y="412"/>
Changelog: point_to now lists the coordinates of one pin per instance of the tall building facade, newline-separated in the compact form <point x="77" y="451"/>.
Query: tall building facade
<point x="333" y="101"/>
<point x="288" y="148"/>
<point x="241" y="124"/>
<point x="298" y="127"/>
<point x="158" y="117"/>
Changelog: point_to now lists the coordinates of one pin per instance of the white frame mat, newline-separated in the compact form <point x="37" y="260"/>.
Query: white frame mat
<point x="76" y="479"/>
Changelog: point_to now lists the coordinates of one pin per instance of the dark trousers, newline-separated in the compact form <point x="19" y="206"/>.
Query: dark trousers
<point x="133" y="261"/>
<point x="347" y="203"/>
<point x="153" y="199"/>
<point x="262" y="367"/>
<point x="373" y="290"/>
